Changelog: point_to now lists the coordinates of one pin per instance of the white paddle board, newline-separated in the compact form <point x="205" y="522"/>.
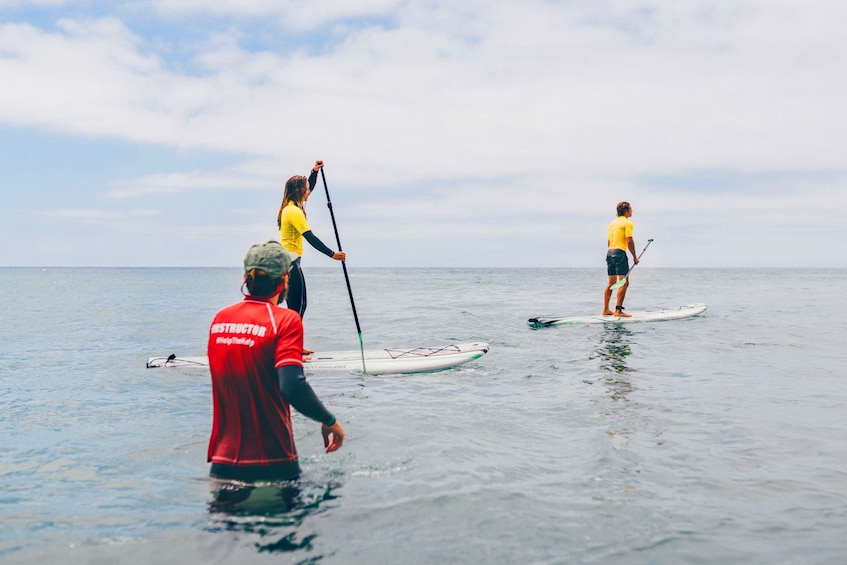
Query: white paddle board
<point x="377" y="361"/>
<point x="635" y="316"/>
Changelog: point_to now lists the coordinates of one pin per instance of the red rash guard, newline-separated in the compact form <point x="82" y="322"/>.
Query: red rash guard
<point x="248" y="341"/>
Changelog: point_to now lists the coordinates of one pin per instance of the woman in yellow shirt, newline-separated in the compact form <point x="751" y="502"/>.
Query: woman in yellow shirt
<point x="293" y="229"/>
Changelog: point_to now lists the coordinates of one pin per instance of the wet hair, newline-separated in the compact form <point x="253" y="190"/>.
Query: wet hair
<point x="260" y="284"/>
<point x="295" y="191"/>
<point x="623" y="207"/>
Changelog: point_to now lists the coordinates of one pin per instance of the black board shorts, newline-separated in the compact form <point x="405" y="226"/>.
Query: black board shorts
<point x="617" y="263"/>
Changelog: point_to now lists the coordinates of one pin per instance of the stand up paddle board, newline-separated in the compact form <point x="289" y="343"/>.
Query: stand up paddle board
<point x="377" y="361"/>
<point x="643" y="316"/>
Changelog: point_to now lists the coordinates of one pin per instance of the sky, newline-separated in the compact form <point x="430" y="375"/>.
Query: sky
<point x="455" y="134"/>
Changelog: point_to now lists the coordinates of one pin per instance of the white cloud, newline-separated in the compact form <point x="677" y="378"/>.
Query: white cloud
<point x="96" y="214"/>
<point x="196" y="180"/>
<point x="289" y="13"/>
<point x="472" y="90"/>
<point x="89" y="78"/>
<point x="477" y="114"/>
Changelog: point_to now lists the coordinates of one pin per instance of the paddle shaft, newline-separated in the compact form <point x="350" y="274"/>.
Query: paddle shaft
<point x="622" y="281"/>
<point x="344" y="268"/>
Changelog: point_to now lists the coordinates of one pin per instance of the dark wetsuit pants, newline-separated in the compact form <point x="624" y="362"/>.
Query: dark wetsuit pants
<point x="296" y="299"/>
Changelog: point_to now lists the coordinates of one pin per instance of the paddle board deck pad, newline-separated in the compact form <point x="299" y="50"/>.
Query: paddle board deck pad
<point x="643" y="316"/>
<point x="377" y="361"/>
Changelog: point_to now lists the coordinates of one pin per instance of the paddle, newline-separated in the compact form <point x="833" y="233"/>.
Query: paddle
<point x="622" y="281"/>
<point x="344" y="267"/>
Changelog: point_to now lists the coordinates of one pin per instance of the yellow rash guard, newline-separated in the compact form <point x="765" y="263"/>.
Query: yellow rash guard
<point x="293" y="225"/>
<point x="619" y="230"/>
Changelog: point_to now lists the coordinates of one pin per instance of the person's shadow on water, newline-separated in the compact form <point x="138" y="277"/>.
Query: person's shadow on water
<point x="612" y="351"/>
<point x="275" y="512"/>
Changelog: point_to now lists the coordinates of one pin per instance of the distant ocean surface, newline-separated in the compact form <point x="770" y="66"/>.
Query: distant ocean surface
<point x="716" y="439"/>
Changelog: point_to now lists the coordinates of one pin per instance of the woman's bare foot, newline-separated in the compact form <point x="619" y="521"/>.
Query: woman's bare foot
<point x="620" y="313"/>
<point x="607" y="313"/>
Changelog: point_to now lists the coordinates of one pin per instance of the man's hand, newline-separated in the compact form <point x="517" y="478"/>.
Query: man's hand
<point x="333" y="436"/>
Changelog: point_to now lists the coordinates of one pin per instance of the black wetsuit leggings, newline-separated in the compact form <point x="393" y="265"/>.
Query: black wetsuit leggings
<point x="296" y="299"/>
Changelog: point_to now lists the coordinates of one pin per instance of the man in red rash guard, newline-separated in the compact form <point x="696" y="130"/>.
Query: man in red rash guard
<point x="255" y="357"/>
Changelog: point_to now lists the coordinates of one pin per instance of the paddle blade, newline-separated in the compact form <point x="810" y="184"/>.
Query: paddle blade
<point x="618" y="284"/>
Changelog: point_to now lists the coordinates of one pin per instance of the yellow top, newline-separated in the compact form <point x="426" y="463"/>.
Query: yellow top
<point x="292" y="226"/>
<point x="619" y="230"/>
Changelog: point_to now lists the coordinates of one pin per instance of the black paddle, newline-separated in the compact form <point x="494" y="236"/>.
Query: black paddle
<point x="344" y="267"/>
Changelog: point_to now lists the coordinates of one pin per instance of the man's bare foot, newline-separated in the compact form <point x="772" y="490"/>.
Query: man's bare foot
<point x="307" y="351"/>
<point x="607" y="313"/>
<point x="620" y="313"/>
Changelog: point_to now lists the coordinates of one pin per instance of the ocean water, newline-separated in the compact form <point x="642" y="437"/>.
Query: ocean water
<point x="715" y="439"/>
